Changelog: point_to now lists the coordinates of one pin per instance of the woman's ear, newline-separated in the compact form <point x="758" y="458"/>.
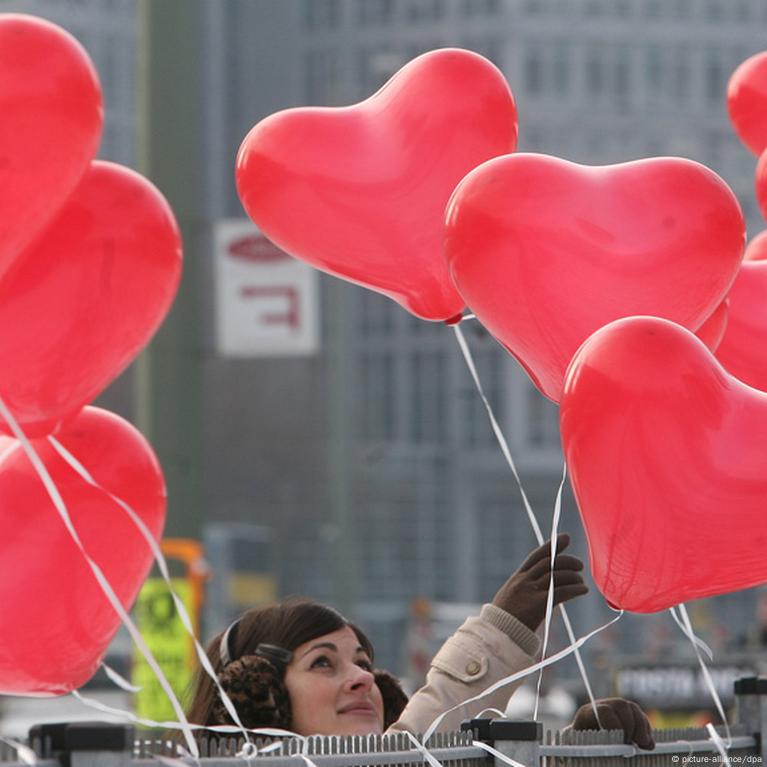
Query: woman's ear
<point x="394" y="698"/>
<point x="257" y="690"/>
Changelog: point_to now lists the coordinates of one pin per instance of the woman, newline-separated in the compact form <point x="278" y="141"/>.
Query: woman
<point x="301" y="666"/>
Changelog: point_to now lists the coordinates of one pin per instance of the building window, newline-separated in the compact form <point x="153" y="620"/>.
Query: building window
<point x="376" y="314"/>
<point x="542" y="421"/>
<point x="653" y="70"/>
<point x="534" y="7"/>
<point x="653" y="9"/>
<point x="376" y="419"/>
<point x="715" y="10"/>
<point x="490" y="367"/>
<point x="681" y="76"/>
<point x="622" y="79"/>
<point x="372" y="12"/>
<point x="323" y="77"/>
<point x="423" y="10"/>
<point x="595" y="74"/>
<point x="472" y="8"/>
<point x="561" y="66"/>
<point x="715" y="78"/>
<point x="322" y="14"/>
<point x="533" y="69"/>
<point x="427" y="385"/>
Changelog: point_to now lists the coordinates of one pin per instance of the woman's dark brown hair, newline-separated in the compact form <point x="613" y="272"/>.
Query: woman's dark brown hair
<point x="287" y="625"/>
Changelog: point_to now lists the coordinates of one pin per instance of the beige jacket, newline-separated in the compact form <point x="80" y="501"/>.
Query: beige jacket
<point x="484" y="650"/>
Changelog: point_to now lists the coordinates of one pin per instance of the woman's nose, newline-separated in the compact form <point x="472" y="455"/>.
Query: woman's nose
<point x="359" y="678"/>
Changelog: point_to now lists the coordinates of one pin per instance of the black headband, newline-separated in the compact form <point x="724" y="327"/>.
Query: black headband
<point x="279" y="656"/>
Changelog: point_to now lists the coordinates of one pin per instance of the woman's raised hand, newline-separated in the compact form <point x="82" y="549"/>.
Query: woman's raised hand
<point x="525" y="592"/>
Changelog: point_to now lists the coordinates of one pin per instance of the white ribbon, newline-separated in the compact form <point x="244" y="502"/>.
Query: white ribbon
<point x="25" y="753"/>
<point x="224" y="729"/>
<point x="686" y="626"/>
<point x="497" y="754"/>
<point x="720" y="747"/>
<point x="430" y="758"/>
<point x="550" y="595"/>
<point x="119" y="679"/>
<point x="528" y="508"/>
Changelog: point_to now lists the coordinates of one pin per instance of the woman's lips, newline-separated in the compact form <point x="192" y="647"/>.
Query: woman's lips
<point x="360" y="707"/>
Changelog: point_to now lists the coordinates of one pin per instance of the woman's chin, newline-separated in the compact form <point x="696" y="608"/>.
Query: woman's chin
<point x="365" y="726"/>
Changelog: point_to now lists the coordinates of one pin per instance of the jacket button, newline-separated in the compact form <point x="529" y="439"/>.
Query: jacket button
<point x="473" y="668"/>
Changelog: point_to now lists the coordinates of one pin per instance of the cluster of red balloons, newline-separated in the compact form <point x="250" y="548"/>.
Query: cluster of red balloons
<point x="90" y="260"/>
<point x="417" y="194"/>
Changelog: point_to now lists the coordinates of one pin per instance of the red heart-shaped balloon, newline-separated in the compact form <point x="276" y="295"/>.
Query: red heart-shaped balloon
<point x="50" y="125"/>
<point x="545" y="251"/>
<point x="56" y="622"/>
<point x="360" y="191"/>
<point x="85" y="296"/>
<point x="747" y="102"/>
<point x="743" y="350"/>
<point x="668" y="461"/>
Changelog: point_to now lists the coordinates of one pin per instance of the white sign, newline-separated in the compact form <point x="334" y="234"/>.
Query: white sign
<point x="266" y="301"/>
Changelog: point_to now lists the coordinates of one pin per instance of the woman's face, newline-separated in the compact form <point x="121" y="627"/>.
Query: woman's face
<point x="331" y="687"/>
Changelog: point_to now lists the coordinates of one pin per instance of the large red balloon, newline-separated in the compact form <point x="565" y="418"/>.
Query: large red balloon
<point x="50" y="125"/>
<point x="85" y="297"/>
<point x="56" y="621"/>
<point x="743" y="350"/>
<point x="545" y="251"/>
<point x="360" y="191"/>
<point x="747" y="102"/>
<point x="668" y="461"/>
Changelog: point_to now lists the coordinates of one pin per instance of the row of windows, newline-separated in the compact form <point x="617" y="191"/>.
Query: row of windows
<point x="647" y="74"/>
<point x="414" y="397"/>
<point x="624" y="75"/>
<point x="738" y="11"/>
<point x="330" y="14"/>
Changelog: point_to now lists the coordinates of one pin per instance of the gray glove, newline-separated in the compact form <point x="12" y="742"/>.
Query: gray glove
<point x="617" y="714"/>
<point x="525" y="592"/>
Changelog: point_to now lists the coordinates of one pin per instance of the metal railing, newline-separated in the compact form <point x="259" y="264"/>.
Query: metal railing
<point x="102" y="745"/>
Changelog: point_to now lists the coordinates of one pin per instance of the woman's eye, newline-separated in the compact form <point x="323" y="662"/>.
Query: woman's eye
<point x="366" y="664"/>
<point x="322" y="661"/>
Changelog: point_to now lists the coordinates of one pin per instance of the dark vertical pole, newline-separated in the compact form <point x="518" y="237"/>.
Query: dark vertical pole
<point x="168" y="375"/>
<point x="340" y="404"/>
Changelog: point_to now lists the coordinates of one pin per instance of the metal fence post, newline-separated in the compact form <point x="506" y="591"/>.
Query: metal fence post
<point x="751" y="697"/>
<point x="519" y="740"/>
<point x="86" y="744"/>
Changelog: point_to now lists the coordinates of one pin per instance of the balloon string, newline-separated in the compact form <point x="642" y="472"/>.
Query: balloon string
<point x="550" y="595"/>
<point x="695" y="639"/>
<point x="686" y="625"/>
<point x="503" y="444"/>
<point x="497" y="754"/>
<point x="119" y="679"/>
<point x="25" y="753"/>
<point x="551" y="660"/>
<point x="101" y="579"/>
<point x="225" y="729"/>
<point x="162" y="564"/>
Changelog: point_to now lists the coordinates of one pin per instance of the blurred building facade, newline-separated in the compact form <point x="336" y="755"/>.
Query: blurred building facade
<point x="371" y="465"/>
